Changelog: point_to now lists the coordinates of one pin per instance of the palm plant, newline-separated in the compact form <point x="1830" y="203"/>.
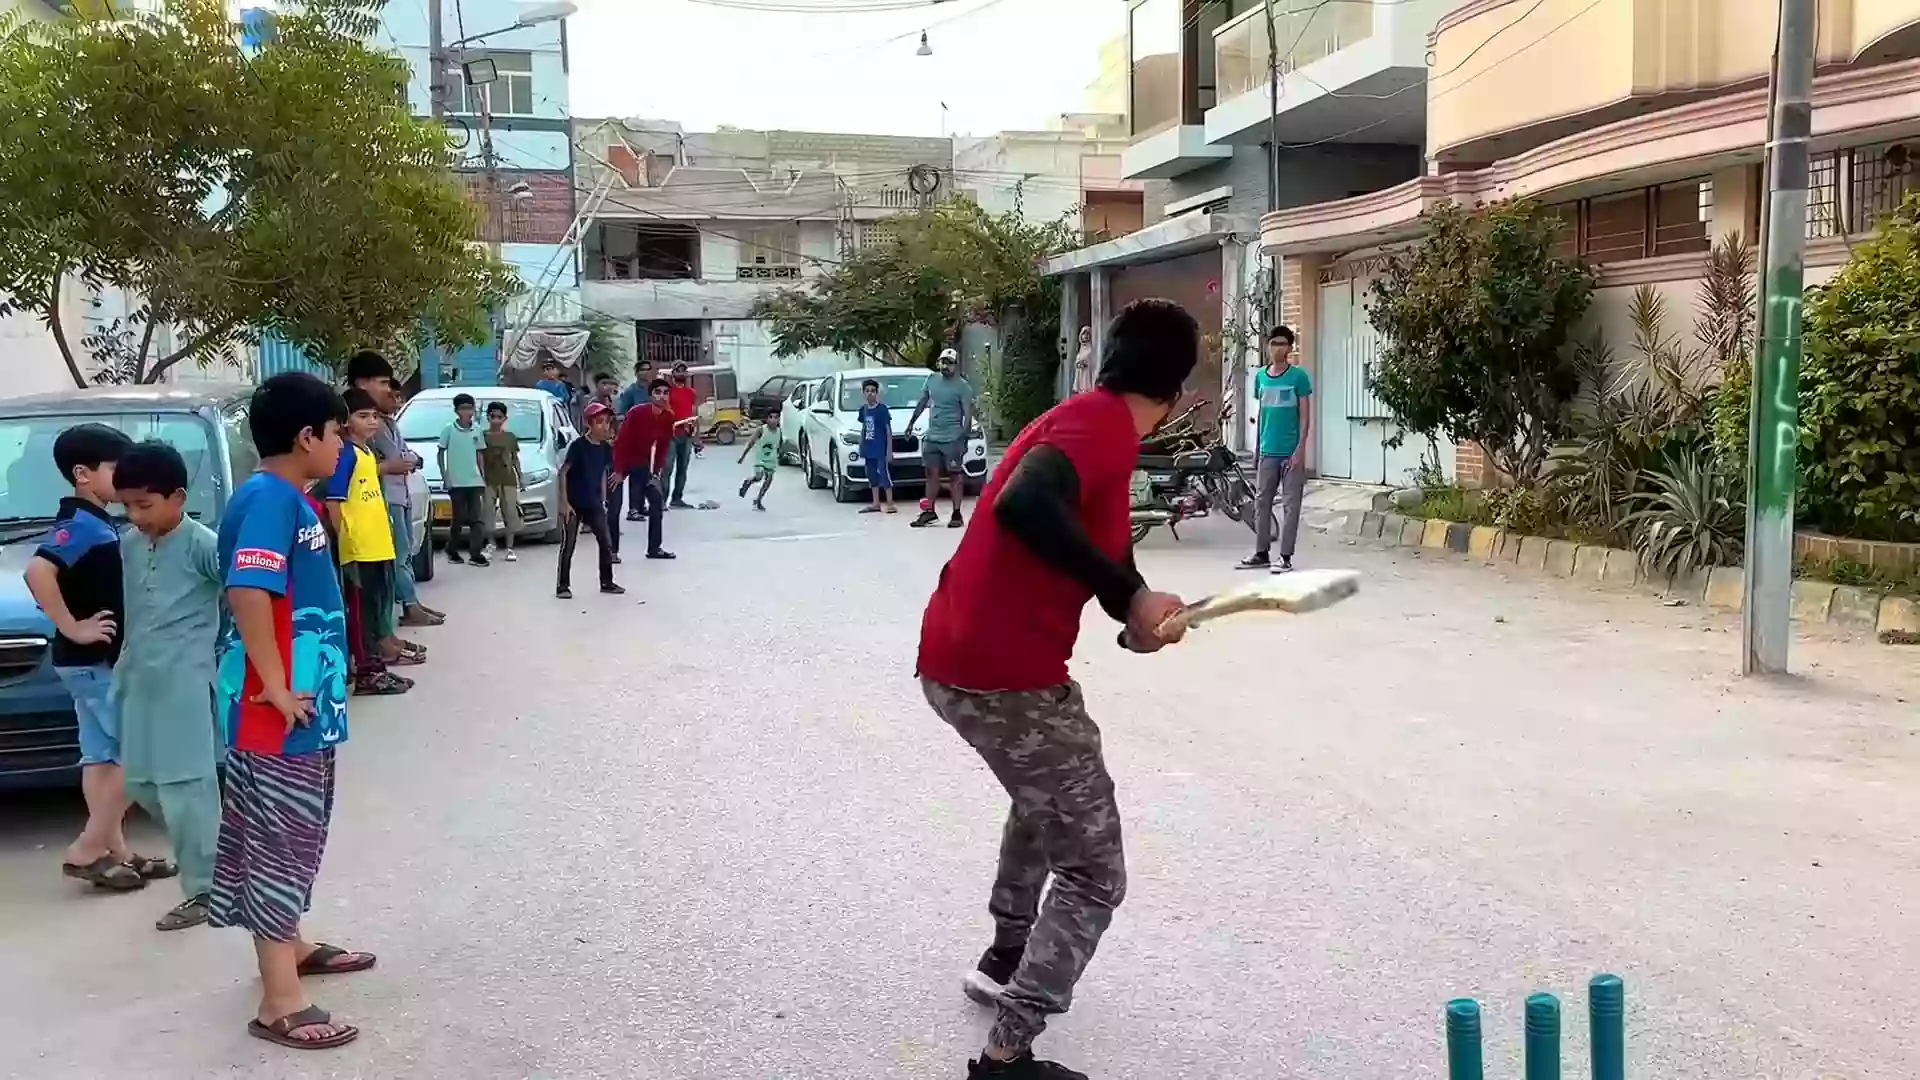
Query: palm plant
<point x="1690" y="515"/>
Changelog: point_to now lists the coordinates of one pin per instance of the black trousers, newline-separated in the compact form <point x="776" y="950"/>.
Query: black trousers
<point x="650" y="501"/>
<point x="469" y="513"/>
<point x="593" y="519"/>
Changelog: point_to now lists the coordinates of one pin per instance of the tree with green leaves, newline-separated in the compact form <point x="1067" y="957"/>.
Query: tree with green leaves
<point x="1475" y="325"/>
<point x="900" y="300"/>
<point x="286" y="192"/>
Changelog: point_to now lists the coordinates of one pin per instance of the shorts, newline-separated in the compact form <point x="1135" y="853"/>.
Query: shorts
<point x="944" y="457"/>
<point x="879" y="469"/>
<point x="98" y="713"/>
<point x="274" y="818"/>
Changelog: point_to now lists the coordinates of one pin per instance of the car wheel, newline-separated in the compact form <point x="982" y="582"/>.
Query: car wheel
<point x="724" y="434"/>
<point x="423" y="559"/>
<point x="843" y="492"/>
<point x="815" y="482"/>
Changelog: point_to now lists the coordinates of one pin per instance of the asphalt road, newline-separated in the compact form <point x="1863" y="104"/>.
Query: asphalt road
<point x="710" y="830"/>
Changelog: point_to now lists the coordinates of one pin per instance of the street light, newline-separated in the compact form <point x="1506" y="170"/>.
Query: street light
<point x="531" y="15"/>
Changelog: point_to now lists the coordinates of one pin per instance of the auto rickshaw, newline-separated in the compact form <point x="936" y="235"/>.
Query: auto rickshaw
<point x="720" y="418"/>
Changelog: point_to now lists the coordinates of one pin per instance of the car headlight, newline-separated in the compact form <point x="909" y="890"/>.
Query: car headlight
<point x="537" y="476"/>
<point x="851" y="438"/>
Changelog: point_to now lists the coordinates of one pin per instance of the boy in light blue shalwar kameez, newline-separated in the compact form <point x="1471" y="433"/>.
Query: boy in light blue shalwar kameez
<point x="170" y="567"/>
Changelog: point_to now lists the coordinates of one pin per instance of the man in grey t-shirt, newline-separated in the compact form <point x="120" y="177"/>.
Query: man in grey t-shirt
<point x="948" y="402"/>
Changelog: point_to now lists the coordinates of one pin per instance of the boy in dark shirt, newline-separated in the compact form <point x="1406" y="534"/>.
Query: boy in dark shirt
<point x="1051" y="534"/>
<point x="75" y="578"/>
<point x="585" y="477"/>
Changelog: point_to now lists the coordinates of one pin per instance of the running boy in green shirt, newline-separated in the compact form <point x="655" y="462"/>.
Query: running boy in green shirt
<point x="766" y="450"/>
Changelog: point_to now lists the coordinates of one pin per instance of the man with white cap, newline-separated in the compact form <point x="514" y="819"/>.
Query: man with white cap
<point x="948" y="402"/>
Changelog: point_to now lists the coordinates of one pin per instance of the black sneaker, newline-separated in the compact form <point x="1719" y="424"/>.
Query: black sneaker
<point x="1285" y="565"/>
<point x="679" y="504"/>
<point x="926" y="518"/>
<point x="616" y="558"/>
<point x="563" y="593"/>
<point x="956" y="521"/>
<point x="744" y="485"/>
<point x="1253" y="562"/>
<point x="456" y="558"/>
<point x="661" y="554"/>
<point x="480" y="560"/>
<point x="1024" y="1067"/>
<point x="613" y="590"/>
<point x="988" y="980"/>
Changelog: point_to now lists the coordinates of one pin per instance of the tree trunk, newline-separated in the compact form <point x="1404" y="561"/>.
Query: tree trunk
<point x="60" y="334"/>
<point x="160" y="366"/>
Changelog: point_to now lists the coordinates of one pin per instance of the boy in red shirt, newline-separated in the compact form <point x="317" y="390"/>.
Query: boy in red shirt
<point x="684" y="403"/>
<point x="640" y="451"/>
<point x="1051" y="533"/>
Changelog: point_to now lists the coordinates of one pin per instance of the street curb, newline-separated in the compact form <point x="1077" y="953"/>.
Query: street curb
<point x="1892" y="619"/>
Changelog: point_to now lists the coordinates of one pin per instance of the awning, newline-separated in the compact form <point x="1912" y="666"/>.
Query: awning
<point x="1168" y="239"/>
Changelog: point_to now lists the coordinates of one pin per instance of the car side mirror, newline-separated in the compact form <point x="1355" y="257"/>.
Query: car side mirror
<point x="560" y="440"/>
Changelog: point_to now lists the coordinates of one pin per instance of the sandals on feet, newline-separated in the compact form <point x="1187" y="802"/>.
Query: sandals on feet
<point x="332" y="960"/>
<point x="281" y="1031"/>
<point x="191" y="912"/>
<point x="106" y="872"/>
<point x="153" y="869"/>
<point x="380" y="683"/>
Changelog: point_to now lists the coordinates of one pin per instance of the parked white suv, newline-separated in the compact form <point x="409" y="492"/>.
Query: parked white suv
<point x="830" y="432"/>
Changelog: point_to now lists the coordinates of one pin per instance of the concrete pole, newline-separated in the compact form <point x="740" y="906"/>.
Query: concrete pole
<point x="1273" y="143"/>
<point x="1772" y="469"/>
<point x="1100" y="314"/>
<point x="432" y="358"/>
<point x="1069" y="334"/>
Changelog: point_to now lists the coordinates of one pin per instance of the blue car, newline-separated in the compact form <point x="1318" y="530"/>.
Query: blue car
<point x="39" y="739"/>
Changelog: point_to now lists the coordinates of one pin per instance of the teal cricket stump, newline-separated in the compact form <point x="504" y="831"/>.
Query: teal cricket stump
<point x="1463" y="1041"/>
<point x="1606" y="1019"/>
<point x="1543" y="1037"/>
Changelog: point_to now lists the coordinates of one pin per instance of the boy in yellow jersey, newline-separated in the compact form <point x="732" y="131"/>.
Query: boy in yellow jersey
<point x="358" y="512"/>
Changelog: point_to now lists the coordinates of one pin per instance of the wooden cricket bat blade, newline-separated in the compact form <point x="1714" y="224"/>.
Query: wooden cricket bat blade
<point x="1296" y="593"/>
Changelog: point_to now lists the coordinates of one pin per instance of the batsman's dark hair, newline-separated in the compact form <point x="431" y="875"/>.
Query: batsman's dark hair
<point x="659" y="384"/>
<point x="89" y="446"/>
<point x="152" y="467"/>
<point x="367" y="364"/>
<point x="288" y="404"/>
<point x="870" y="384"/>
<point x="463" y="399"/>
<point x="1281" y="333"/>
<point x="1152" y="346"/>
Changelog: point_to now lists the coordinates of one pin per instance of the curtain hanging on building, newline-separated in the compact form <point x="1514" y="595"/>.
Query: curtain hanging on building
<point x="533" y="347"/>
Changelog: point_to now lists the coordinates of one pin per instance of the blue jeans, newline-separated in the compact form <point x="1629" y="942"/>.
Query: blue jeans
<point x="94" y="707"/>
<point x="404" y="588"/>
<point x="674" y="476"/>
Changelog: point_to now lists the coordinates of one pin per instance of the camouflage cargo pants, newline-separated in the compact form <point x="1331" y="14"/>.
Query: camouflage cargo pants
<point x="1045" y="750"/>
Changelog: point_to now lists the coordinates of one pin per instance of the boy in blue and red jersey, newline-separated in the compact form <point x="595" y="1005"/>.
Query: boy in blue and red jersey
<point x="283" y="696"/>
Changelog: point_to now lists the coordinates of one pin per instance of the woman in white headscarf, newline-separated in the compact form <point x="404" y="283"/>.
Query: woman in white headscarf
<point x="1083" y="362"/>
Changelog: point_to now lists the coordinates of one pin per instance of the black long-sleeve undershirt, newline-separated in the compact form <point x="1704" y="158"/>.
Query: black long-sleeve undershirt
<point x="1040" y="506"/>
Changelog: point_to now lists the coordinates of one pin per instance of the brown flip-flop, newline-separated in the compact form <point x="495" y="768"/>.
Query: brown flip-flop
<point x="281" y="1031"/>
<point x="328" y="959"/>
<point x="188" y="913"/>
<point x="106" y="872"/>
<point x="153" y="869"/>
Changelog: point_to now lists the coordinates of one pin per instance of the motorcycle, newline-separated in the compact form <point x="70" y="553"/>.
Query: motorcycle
<point x="1186" y="473"/>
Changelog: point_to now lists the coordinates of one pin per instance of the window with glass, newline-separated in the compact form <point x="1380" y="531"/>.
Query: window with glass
<point x="1682" y="217"/>
<point x="31" y="487"/>
<point x="770" y="245"/>
<point x="511" y="91"/>
<point x="896" y="391"/>
<point x="425" y="418"/>
<point x="1153" y="32"/>
<point x="1667" y="219"/>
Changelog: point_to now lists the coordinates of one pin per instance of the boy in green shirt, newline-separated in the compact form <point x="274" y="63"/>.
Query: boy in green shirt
<point x="1283" y="421"/>
<point x="766" y="450"/>
<point x="170" y="564"/>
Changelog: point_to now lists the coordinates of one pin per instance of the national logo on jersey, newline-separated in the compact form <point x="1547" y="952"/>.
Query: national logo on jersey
<point x="259" y="559"/>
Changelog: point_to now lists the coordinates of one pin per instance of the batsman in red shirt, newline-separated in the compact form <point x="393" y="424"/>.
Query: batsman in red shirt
<point x="640" y="452"/>
<point x="1051" y="533"/>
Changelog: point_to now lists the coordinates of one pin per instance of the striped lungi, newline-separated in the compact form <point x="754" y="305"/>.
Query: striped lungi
<point x="273" y="830"/>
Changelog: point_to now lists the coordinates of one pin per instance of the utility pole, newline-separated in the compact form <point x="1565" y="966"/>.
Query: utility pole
<point x="1774" y="422"/>
<point x="437" y="107"/>
<point x="1273" y="151"/>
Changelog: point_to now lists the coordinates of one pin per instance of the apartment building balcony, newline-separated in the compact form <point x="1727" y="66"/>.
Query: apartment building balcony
<point x="1349" y="72"/>
<point x="1168" y="90"/>
<point x="1510" y="77"/>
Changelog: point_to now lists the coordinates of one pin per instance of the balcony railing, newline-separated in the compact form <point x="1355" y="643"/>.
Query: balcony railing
<point x="1240" y="56"/>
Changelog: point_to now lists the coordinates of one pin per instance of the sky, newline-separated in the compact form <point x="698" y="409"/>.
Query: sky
<point x="996" y="64"/>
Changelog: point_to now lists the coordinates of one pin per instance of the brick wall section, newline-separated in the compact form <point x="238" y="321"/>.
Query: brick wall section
<point x="1473" y="468"/>
<point x="541" y="220"/>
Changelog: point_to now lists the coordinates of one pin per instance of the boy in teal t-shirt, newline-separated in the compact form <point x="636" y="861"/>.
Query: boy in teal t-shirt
<point x="1283" y="421"/>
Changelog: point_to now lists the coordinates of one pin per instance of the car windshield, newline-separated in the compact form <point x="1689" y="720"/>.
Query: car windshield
<point x="896" y="391"/>
<point x="30" y="485"/>
<point x="425" y="418"/>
